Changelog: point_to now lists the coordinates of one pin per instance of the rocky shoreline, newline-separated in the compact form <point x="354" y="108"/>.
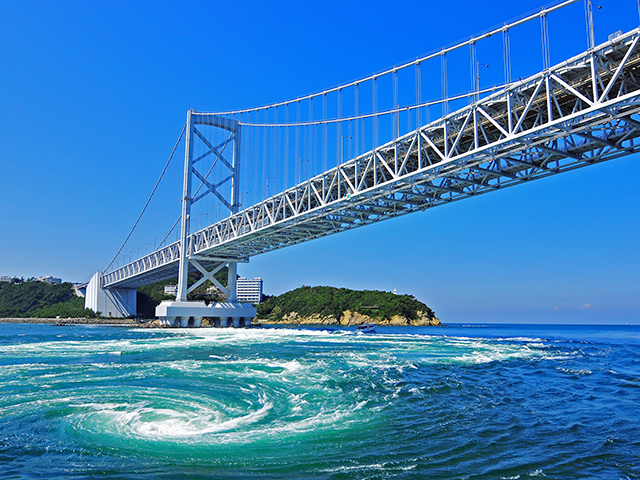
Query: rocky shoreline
<point x="349" y="318"/>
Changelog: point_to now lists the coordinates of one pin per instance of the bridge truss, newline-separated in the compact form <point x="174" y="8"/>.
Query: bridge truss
<point x="581" y="112"/>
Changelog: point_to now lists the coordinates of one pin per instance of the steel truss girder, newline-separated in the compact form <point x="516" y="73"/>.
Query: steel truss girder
<point x="575" y="114"/>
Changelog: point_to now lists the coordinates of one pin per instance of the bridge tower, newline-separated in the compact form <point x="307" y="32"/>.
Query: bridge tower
<point x="181" y="311"/>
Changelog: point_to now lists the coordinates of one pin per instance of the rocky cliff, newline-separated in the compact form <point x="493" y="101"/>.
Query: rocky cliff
<point x="349" y="318"/>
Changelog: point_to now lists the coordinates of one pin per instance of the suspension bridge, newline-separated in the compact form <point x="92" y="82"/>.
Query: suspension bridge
<point x="579" y="112"/>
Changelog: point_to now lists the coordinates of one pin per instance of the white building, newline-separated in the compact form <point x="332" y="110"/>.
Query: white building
<point x="4" y="278"/>
<point x="249" y="291"/>
<point x="50" y="279"/>
<point x="170" y="289"/>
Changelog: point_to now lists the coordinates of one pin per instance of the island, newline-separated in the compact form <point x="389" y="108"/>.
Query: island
<point x="342" y="306"/>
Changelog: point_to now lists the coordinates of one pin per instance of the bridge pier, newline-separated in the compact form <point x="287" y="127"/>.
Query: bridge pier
<point x="229" y="314"/>
<point x="110" y="302"/>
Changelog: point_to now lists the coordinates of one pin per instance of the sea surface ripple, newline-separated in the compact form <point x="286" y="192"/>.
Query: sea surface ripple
<point x="463" y="402"/>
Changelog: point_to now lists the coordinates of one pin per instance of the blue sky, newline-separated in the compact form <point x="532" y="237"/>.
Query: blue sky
<point x="94" y="95"/>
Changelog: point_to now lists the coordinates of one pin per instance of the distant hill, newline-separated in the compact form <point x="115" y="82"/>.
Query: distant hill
<point x="32" y="298"/>
<point x="330" y="305"/>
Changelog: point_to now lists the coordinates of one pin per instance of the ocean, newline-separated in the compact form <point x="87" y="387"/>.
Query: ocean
<point x="453" y="402"/>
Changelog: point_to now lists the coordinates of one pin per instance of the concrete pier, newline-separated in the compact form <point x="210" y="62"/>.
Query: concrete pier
<point x="187" y="314"/>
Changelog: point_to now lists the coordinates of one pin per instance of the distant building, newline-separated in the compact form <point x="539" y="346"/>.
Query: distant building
<point x="249" y="291"/>
<point x="170" y="289"/>
<point x="50" y="279"/>
<point x="4" y="278"/>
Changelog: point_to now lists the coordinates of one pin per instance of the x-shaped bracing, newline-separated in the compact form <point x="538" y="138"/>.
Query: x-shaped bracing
<point x="218" y="151"/>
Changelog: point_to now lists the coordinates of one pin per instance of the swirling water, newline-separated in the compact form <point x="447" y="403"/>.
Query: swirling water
<point x="496" y="401"/>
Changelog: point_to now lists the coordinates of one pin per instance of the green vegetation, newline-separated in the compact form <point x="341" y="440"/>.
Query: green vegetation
<point x="148" y="297"/>
<point x="330" y="301"/>
<point x="32" y="298"/>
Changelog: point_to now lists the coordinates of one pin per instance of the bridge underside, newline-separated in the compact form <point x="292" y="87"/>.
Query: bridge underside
<point x="163" y="272"/>
<point x="579" y="113"/>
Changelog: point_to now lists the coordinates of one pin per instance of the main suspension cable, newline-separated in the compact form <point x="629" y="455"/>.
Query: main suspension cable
<point x="149" y="199"/>
<point x="553" y="6"/>
<point x="375" y="114"/>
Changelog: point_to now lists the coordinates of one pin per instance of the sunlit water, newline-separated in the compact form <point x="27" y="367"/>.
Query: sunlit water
<point x="510" y="402"/>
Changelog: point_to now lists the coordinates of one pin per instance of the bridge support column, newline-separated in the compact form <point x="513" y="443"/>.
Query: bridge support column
<point x="232" y="283"/>
<point x="182" y="308"/>
<point x="110" y="302"/>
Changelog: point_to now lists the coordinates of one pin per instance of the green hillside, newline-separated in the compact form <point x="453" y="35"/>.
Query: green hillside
<point x="330" y="301"/>
<point x="32" y="298"/>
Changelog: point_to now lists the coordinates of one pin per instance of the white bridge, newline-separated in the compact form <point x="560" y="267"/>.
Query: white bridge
<point x="577" y="113"/>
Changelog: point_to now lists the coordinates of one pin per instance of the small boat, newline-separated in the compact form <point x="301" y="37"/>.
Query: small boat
<point x="366" y="328"/>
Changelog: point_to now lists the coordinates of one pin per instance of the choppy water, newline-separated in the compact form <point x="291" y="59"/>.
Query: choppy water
<point x="510" y="402"/>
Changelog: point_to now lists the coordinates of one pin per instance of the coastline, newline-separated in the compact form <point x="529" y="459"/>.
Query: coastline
<point x="350" y="319"/>
<point x="120" y="322"/>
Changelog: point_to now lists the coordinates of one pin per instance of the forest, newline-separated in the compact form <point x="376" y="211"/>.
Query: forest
<point x="32" y="298"/>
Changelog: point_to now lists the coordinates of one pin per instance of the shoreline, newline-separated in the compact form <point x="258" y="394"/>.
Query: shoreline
<point x="120" y="322"/>
<point x="148" y="323"/>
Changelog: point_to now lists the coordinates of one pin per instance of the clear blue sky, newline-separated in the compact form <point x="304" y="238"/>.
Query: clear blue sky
<point x="94" y="95"/>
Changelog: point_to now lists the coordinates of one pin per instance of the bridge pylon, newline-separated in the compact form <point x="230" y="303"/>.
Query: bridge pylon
<point x="183" y="312"/>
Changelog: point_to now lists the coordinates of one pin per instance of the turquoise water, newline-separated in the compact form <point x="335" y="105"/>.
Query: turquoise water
<point x="496" y="401"/>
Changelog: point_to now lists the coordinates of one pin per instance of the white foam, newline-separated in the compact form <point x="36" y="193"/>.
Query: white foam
<point x="489" y="355"/>
<point x="324" y="418"/>
<point x="143" y="420"/>
<point x="389" y="466"/>
<point x="183" y="425"/>
<point x="351" y="468"/>
<point x="575" y="372"/>
<point x="289" y="366"/>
